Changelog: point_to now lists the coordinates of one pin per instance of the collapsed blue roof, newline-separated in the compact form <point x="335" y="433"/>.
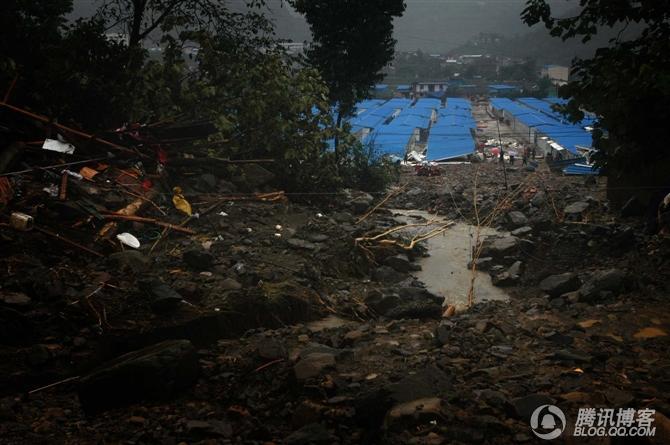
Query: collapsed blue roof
<point x="442" y="148"/>
<point x="581" y="170"/>
<point x="381" y="87"/>
<point x="403" y="87"/>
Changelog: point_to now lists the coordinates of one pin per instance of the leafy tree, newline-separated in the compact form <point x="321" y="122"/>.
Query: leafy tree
<point x="627" y="84"/>
<point x="352" y="41"/>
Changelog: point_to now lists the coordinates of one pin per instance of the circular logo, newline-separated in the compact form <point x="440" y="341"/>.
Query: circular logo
<point x="547" y="422"/>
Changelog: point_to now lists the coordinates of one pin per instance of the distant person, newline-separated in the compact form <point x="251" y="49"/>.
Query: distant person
<point x="512" y="155"/>
<point x="524" y="157"/>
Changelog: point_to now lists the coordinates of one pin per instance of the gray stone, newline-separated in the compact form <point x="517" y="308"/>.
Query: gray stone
<point x="16" y="299"/>
<point x="521" y="231"/>
<point x="517" y="218"/>
<point x="399" y="263"/>
<point x="271" y="349"/>
<point x="157" y="372"/>
<point x="298" y="243"/>
<point x="385" y="274"/>
<point x="504" y="279"/>
<point x="311" y="434"/>
<point x="611" y="280"/>
<point x="539" y="199"/>
<point x="381" y="302"/>
<point x="484" y="263"/>
<point x="565" y="355"/>
<point x="361" y="204"/>
<point x="556" y="285"/>
<point x="229" y="284"/>
<point x="500" y="247"/>
<point x="311" y="365"/>
<point x="443" y="330"/>
<point x="515" y="269"/>
<point x="576" y="208"/>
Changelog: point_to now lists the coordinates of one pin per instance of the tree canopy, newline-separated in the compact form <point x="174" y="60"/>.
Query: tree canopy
<point x="352" y="41"/>
<point x="626" y="84"/>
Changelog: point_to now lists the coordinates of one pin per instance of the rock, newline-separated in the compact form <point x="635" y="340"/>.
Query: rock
<point x="343" y="217"/>
<point x="576" y="209"/>
<point x="514" y="270"/>
<point x="16" y="299"/>
<point x="523" y="407"/>
<point x="418" y="293"/>
<point x="271" y="349"/>
<point x="163" y="297"/>
<point x="380" y="302"/>
<point x="484" y="263"/>
<point x="385" y="274"/>
<point x="539" y="199"/>
<point x="498" y="248"/>
<point x="416" y="309"/>
<point x="399" y="263"/>
<point x="556" y="285"/>
<point x="521" y="231"/>
<point x="612" y="280"/>
<point x="442" y="332"/>
<point x="318" y="237"/>
<point x="565" y="355"/>
<point x="312" y="364"/>
<point x="198" y="259"/>
<point x="427" y="408"/>
<point x="229" y="284"/>
<point x="424" y="383"/>
<point x="298" y="243"/>
<point x="517" y="218"/>
<point x="156" y="372"/>
<point x="314" y="433"/>
<point x="504" y="279"/>
<point x="129" y="260"/>
<point x="360" y="205"/>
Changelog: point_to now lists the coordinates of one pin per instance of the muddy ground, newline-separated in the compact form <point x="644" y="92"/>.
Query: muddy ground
<point x="283" y="322"/>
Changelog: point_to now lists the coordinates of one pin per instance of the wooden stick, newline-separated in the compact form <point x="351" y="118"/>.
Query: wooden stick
<point x="389" y="196"/>
<point x="51" y="385"/>
<point x="62" y="193"/>
<point x="48" y="167"/>
<point x="114" y="216"/>
<point x="68" y="241"/>
<point x="62" y="127"/>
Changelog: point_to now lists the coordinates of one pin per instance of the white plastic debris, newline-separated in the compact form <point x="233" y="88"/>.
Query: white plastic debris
<point x="278" y="227"/>
<point x="207" y="245"/>
<point x="52" y="190"/>
<point x="249" y="229"/>
<point x="56" y="145"/>
<point x="129" y="240"/>
<point x="73" y="174"/>
<point x="319" y="215"/>
<point x="277" y="235"/>
<point x="222" y="213"/>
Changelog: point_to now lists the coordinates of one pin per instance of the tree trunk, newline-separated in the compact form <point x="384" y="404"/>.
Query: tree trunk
<point x="337" y="139"/>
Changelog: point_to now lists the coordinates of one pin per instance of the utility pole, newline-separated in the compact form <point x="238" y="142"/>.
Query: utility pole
<point x="502" y="153"/>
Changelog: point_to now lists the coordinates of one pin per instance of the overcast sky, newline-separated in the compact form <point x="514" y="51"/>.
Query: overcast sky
<point x="429" y="25"/>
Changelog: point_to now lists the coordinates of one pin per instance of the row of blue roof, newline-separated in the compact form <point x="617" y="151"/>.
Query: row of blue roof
<point x="538" y="114"/>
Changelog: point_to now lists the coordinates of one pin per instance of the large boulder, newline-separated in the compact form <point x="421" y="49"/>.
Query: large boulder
<point x="156" y="372"/>
<point x="556" y="285"/>
<point x="612" y="280"/>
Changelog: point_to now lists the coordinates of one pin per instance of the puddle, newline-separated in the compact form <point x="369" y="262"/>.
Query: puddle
<point x="445" y="271"/>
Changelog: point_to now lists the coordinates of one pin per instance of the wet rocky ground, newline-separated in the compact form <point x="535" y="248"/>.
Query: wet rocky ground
<point x="285" y="322"/>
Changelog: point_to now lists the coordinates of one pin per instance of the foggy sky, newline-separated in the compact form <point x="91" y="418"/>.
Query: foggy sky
<point x="429" y="25"/>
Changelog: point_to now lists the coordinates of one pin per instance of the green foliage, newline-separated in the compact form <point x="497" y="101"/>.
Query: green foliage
<point x="627" y="83"/>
